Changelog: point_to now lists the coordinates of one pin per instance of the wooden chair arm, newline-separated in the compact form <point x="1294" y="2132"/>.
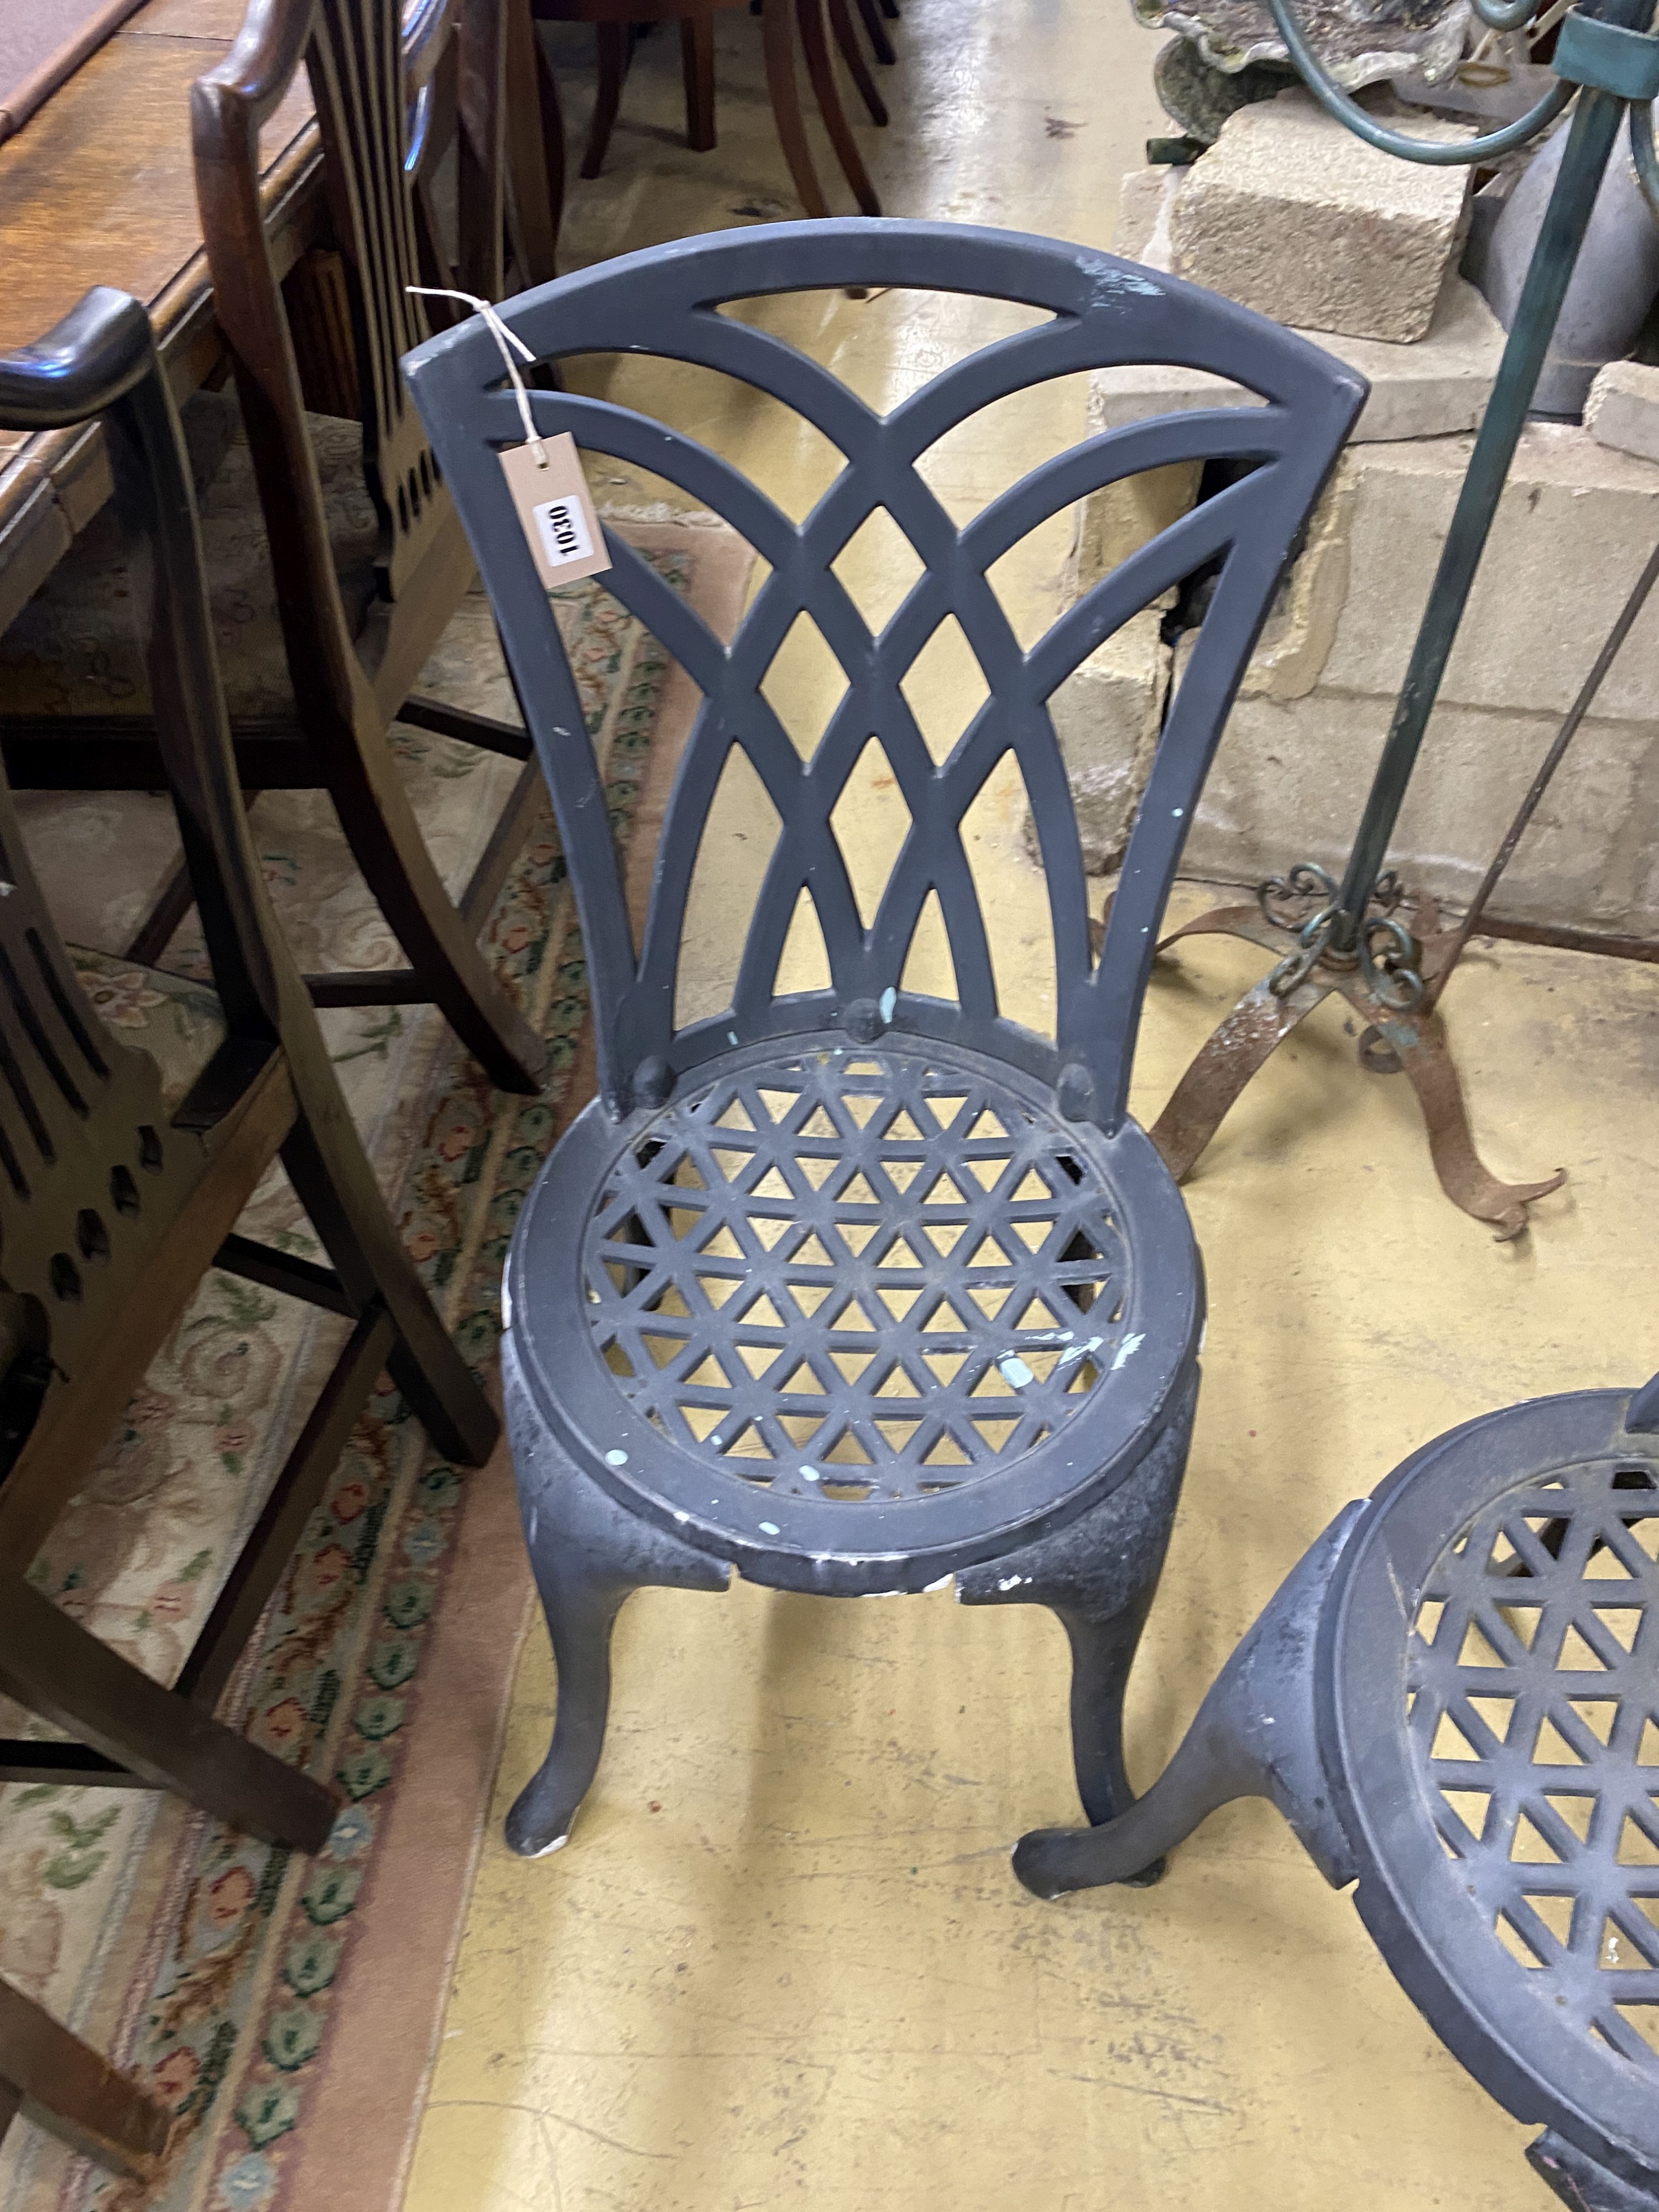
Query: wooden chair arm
<point x="82" y="366"/>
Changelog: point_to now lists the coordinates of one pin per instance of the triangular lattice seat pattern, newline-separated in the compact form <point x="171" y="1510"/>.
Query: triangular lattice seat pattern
<point x="857" y="1277"/>
<point x="864" y="1282"/>
<point x="1533" y="1689"/>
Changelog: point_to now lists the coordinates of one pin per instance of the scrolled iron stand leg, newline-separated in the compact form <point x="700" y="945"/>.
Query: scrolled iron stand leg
<point x="1348" y="938"/>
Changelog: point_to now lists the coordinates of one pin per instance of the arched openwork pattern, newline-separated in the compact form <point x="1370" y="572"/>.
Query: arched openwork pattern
<point x="1101" y="311"/>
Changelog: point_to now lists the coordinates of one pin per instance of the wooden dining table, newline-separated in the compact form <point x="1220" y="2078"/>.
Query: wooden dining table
<point x="99" y="187"/>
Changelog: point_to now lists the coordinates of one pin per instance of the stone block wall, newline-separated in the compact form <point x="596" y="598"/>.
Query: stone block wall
<point x="1577" y="521"/>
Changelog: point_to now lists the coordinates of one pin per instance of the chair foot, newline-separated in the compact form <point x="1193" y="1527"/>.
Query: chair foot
<point x="64" y="2086"/>
<point x="1103" y="1653"/>
<point x="589" y="1555"/>
<point x="778" y="35"/>
<point x="580" y="1617"/>
<point x="1099" y="1574"/>
<point x="1584" y="2182"/>
<point x="1255" y="1737"/>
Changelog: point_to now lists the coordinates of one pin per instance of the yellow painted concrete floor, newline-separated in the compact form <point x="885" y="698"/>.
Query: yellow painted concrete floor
<point x="784" y="1959"/>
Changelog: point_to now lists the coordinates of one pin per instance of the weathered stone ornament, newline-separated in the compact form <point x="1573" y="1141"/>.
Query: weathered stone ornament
<point x="1201" y="97"/>
<point x="1360" y="41"/>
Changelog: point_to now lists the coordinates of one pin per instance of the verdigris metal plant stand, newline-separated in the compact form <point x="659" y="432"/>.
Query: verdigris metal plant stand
<point x="1454" y="1700"/>
<point x="859" y="1289"/>
<point x="1382" y="950"/>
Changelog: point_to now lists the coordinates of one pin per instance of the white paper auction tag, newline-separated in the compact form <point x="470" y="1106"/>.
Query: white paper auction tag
<point x="555" y="509"/>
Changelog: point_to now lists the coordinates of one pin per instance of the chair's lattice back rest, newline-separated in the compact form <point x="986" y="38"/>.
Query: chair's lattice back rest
<point x="89" y="1167"/>
<point x="1533" y="1693"/>
<point x="1103" y="311"/>
<point x="356" y="63"/>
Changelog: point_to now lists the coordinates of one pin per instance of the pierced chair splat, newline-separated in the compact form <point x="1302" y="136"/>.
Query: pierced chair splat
<point x="856" y="1288"/>
<point x="1454" y="1700"/>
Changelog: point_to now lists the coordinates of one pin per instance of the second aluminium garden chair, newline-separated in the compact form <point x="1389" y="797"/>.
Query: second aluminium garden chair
<point x="857" y="1288"/>
<point x="1454" y="1700"/>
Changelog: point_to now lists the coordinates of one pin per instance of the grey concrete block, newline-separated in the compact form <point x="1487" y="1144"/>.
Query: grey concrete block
<point x="1290" y="777"/>
<point x="1291" y="214"/>
<point x="1107" y="715"/>
<point x="1433" y="389"/>
<point x="1144" y="200"/>
<point x="1623" y="408"/>
<point x="1121" y="518"/>
<point x="1574" y="527"/>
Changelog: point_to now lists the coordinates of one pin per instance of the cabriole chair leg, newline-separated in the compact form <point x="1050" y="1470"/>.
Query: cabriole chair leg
<point x="1253" y="1737"/>
<point x="589" y="1558"/>
<point x="1098" y="1575"/>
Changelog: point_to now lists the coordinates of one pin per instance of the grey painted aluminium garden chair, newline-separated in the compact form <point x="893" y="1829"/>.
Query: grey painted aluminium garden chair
<point x="1454" y="1700"/>
<point x="856" y="1289"/>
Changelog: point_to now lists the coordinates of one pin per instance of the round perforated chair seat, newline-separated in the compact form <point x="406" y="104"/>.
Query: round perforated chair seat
<point x="854" y="1317"/>
<point x="1490" y="1723"/>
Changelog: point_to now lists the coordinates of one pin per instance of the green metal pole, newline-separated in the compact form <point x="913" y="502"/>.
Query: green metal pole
<point x="1592" y="133"/>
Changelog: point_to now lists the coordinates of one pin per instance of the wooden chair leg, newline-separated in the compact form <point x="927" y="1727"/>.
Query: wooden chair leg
<point x="778" y="34"/>
<point x="697" y="57"/>
<point x="551" y="110"/>
<point x="62" y="2084"/>
<point x="880" y="45"/>
<point x="841" y="22"/>
<point x="611" y="41"/>
<point x="266" y="1556"/>
<point x="56" y="1668"/>
<point x="161" y="925"/>
<point x="449" y="970"/>
<point x="809" y="14"/>
<point x="535" y="156"/>
<point x="335" y="1184"/>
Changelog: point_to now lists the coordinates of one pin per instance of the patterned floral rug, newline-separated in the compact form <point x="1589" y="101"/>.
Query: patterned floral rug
<point x="288" y="2009"/>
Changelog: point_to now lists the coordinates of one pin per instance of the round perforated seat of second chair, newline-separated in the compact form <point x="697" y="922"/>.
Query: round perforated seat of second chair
<point x="1506" y="1815"/>
<point x="855" y="1318"/>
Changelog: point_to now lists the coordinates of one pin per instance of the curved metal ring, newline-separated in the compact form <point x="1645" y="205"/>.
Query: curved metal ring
<point x="1388" y="965"/>
<point x="1435" y="153"/>
<point x="1305" y="880"/>
<point x="1311" y="940"/>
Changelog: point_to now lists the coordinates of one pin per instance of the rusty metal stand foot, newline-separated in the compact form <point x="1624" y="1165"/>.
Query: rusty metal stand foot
<point x="1412" y="1041"/>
